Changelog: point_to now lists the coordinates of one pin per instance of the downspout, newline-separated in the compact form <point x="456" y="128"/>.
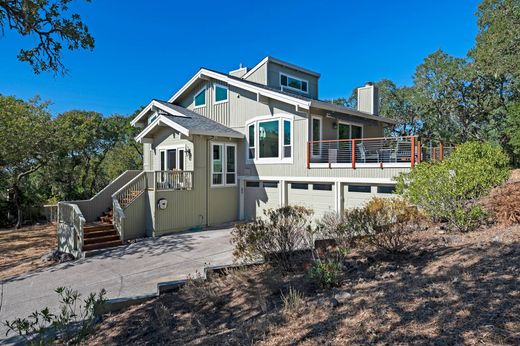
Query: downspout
<point x="208" y="178"/>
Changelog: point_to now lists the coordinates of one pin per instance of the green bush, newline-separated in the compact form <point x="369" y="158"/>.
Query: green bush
<point x="444" y="190"/>
<point x="325" y="273"/>
<point x="72" y="325"/>
<point x="276" y="237"/>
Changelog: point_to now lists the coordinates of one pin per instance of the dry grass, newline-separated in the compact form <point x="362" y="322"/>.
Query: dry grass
<point x="448" y="289"/>
<point x="503" y="201"/>
<point x="21" y="250"/>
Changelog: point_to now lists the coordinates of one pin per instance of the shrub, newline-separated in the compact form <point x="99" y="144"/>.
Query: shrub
<point x="444" y="190"/>
<point x="70" y="326"/>
<point x="325" y="273"/>
<point x="276" y="237"/>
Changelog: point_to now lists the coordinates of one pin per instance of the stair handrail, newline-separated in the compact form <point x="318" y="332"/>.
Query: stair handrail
<point x="118" y="216"/>
<point x="124" y="195"/>
<point x="70" y="215"/>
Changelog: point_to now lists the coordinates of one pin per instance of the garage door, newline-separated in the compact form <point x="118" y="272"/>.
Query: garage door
<point x="317" y="196"/>
<point x="259" y="196"/>
<point x="357" y="195"/>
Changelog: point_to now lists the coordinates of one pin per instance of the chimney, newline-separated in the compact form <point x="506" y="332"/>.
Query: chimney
<point x="239" y="72"/>
<point x="368" y="99"/>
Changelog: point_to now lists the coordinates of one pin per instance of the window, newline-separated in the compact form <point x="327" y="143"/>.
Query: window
<point x="223" y="164"/>
<point x="270" y="139"/>
<point x="385" y="189"/>
<point x="343" y="131"/>
<point x="357" y="132"/>
<point x="322" y="187"/>
<point x="252" y="184"/>
<point x="359" y="188"/>
<point x="287" y="145"/>
<point x="293" y="83"/>
<point x="221" y="94"/>
<point x="251" y="142"/>
<point x="270" y="184"/>
<point x="172" y="159"/>
<point x="231" y="159"/>
<point x="316" y="136"/>
<point x="200" y="98"/>
<point x="299" y="186"/>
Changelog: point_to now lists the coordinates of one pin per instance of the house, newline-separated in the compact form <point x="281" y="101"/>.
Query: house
<point x="227" y="146"/>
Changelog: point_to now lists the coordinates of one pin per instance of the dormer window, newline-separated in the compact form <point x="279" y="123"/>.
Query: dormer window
<point x="293" y="83"/>
<point x="200" y="98"/>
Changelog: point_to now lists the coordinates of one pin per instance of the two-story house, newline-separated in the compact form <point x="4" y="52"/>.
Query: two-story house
<point x="226" y="146"/>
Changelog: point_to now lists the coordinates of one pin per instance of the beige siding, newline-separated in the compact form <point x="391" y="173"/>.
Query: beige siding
<point x="259" y="76"/>
<point x="134" y="223"/>
<point x="218" y="112"/>
<point x="166" y="138"/>
<point x="273" y="78"/>
<point x="223" y="205"/>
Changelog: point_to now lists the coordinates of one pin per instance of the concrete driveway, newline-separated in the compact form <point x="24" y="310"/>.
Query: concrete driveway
<point x="124" y="271"/>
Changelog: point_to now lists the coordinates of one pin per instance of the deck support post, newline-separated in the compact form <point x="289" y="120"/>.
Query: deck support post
<point x="353" y="149"/>
<point x="308" y="155"/>
<point x="412" y="158"/>
<point x="441" y="153"/>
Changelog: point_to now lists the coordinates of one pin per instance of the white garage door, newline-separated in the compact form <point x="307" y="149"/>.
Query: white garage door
<point x="357" y="195"/>
<point x="260" y="195"/>
<point x="317" y="196"/>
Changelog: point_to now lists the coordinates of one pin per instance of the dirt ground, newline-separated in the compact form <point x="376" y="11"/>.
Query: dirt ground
<point x="449" y="288"/>
<point x="21" y="250"/>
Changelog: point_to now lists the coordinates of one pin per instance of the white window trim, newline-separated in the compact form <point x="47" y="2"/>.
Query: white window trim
<point x="312" y="135"/>
<point x="171" y="147"/>
<point x="223" y="145"/>
<point x="215" y="85"/>
<point x="248" y="159"/>
<point x="271" y="160"/>
<point x="197" y="94"/>
<point x="282" y="87"/>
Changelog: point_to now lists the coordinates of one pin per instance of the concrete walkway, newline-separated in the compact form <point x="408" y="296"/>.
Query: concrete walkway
<point x="124" y="271"/>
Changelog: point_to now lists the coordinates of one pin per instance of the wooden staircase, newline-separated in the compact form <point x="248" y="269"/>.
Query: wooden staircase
<point x="101" y="234"/>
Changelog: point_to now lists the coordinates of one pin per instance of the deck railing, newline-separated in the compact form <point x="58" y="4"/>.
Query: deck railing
<point x="368" y="152"/>
<point x="128" y="193"/>
<point x="174" y="180"/>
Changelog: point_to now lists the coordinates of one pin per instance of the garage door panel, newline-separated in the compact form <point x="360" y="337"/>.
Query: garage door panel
<point x="320" y="201"/>
<point x="258" y="199"/>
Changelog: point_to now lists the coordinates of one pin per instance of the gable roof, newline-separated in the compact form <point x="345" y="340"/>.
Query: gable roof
<point x="187" y="122"/>
<point x="280" y="62"/>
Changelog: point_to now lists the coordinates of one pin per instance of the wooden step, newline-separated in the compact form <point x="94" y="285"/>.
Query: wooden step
<point x="104" y="245"/>
<point x="102" y="233"/>
<point x="93" y="227"/>
<point x="104" y="239"/>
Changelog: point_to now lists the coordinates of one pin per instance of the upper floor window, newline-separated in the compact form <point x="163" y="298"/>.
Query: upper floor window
<point x="200" y="98"/>
<point x="270" y="139"/>
<point x="221" y="94"/>
<point x="293" y="83"/>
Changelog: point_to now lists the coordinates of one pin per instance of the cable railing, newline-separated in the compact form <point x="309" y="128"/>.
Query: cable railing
<point x="368" y="152"/>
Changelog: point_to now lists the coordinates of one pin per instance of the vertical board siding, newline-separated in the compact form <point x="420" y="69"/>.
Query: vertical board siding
<point x="273" y="78"/>
<point x="223" y="205"/>
<point x="218" y="112"/>
<point x="134" y="223"/>
<point x="259" y="75"/>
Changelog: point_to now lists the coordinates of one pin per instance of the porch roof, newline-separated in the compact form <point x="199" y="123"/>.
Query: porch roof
<point x="188" y="123"/>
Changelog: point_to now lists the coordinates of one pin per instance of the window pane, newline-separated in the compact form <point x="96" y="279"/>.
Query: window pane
<point x="252" y="135"/>
<point x="316" y="129"/>
<point x="217" y="179"/>
<point x="252" y="184"/>
<point x="299" y="186"/>
<point x="357" y="132"/>
<point x="270" y="184"/>
<point x="181" y="159"/>
<point x="283" y="80"/>
<point x="230" y="159"/>
<point x="221" y="93"/>
<point x="217" y="159"/>
<point x="304" y="86"/>
<point x="322" y="187"/>
<point x="359" y="188"/>
<point x="385" y="189"/>
<point x="343" y="131"/>
<point x="294" y="83"/>
<point x="200" y="99"/>
<point x="268" y="138"/>
<point x="230" y="178"/>
<point x="163" y="163"/>
<point x="286" y="132"/>
<point x="172" y="159"/>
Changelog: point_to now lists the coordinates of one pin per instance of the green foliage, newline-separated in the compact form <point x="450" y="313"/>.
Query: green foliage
<point x="47" y="21"/>
<point x="444" y="190"/>
<point x="70" y="326"/>
<point x="513" y="129"/>
<point x="275" y="237"/>
<point x="325" y="273"/>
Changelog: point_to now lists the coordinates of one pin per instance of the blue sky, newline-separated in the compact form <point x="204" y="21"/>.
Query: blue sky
<point x="149" y="49"/>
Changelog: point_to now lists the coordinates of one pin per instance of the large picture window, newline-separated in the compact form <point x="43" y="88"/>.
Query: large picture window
<point x="270" y="140"/>
<point x="223" y="164"/>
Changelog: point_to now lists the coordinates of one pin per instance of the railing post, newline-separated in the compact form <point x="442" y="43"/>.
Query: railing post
<point x="412" y="158"/>
<point x="441" y="154"/>
<point x="353" y="149"/>
<point x="308" y="154"/>
<point x="419" y="151"/>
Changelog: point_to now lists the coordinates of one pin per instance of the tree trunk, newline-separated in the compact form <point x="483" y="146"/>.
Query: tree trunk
<point x="18" y="194"/>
